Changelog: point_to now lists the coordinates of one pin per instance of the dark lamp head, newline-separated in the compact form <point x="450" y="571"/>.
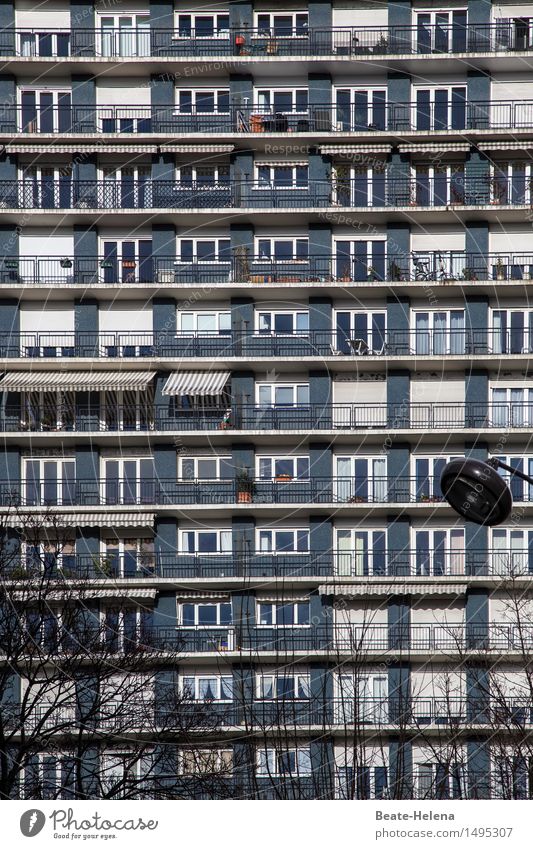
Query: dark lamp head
<point x="476" y="491"/>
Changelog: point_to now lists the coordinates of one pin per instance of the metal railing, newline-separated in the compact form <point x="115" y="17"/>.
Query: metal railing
<point x="132" y="42"/>
<point x="375" y="192"/>
<point x="438" y="266"/>
<point x="405" y="343"/>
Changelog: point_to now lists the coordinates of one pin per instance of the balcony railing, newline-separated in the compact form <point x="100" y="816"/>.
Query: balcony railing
<point x="405" y="343"/>
<point x="435" y="563"/>
<point x="441" y="267"/>
<point x="384" y="192"/>
<point x="453" y="115"/>
<point x="352" y="416"/>
<point x="133" y="42"/>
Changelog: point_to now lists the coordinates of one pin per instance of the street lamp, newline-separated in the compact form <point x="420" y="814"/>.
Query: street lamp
<point x="477" y="492"/>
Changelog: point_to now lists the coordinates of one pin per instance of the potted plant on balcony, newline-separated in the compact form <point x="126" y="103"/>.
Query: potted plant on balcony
<point x="65" y="262"/>
<point x="245" y="486"/>
<point x="371" y="274"/>
<point x="283" y="478"/>
<point x="500" y="269"/>
<point x="395" y="272"/>
<point x="345" y="273"/>
<point x="469" y="273"/>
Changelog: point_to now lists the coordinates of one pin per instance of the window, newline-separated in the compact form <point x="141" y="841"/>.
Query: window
<point x="427" y="477"/>
<point x="281" y="101"/>
<point x="292" y="468"/>
<point x="282" y="395"/>
<point x="360" y="185"/>
<point x="361" y="479"/>
<point x="440" y="552"/>
<point x="362" y="697"/>
<point x="206" y="468"/>
<point x="294" y="685"/>
<point x="126" y="409"/>
<point x="125" y="35"/>
<point x="363" y="782"/>
<point x="50" y="555"/>
<point x="205" y="615"/>
<point x="283" y="541"/>
<point x="49" y="776"/>
<point x="48" y="481"/>
<point x="282" y="176"/>
<point x="204" y="323"/>
<point x="438" y="333"/>
<point x="45" y="111"/>
<point x="197" y="25"/>
<point x="440" y="781"/>
<point x="360" y="332"/>
<point x="203" y="175"/>
<point x="125" y="260"/>
<point x="511" y="407"/>
<point x="360" y="261"/>
<point x="202" y="101"/>
<point x="47" y="410"/>
<point x="441" y="32"/>
<point x="282" y="25"/>
<point x="125" y="557"/>
<point x="129" y="481"/>
<point x="129" y="186"/>
<point x="512" y="331"/>
<point x="361" y="109"/>
<point x="511" y="551"/>
<point x="441" y="108"/>
<point x="204" y="761"/>
<point x="512" y="774"/>
<point x="201" y="688"/>
<point x="294" y="762"/>
<point x="514" y="33"/>
<point x="125" y="627"/>
<point x="437" y="185"/>
<point x="360" y="552"/>
<point x="204" y="250"/>
<point x="46" y="187"/>
<point x="520" y="490"/>
<point x="43" y="43"/>
<point x="282" y="321"/>
<point x="283" y="613"/>
<point x="283" y="250"/>
<point x="206" y="542"/>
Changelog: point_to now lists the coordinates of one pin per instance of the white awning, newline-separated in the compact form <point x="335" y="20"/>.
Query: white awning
<point x="452" y="147"/>
<point x="61" y="595"/>
<point x="354" y="148"/>
<point x="196" y="383"/>
<point x="88" y="520"/>
<point x="81" y="148"/>
<point x="506" y="145"/>
<point x="197" y="148"/>
<point x="75" y="381"/>
<point x="392" y="588"/>
<point x="202" y="594"/>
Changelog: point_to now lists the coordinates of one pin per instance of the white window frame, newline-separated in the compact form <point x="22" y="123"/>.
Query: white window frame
<point x="362" y="696"/>
<point x="516" y="547"/>
<point x="369" y="90"/>
<point x="220" y="318"/>
<point x="65" y="400"/>
<point x="452" y="344"/>
<point x="215" y="167"/>
<point x="432" y="461"/>
<point x="138" y="36"/>
<point x="433" y="88"/>
<point x="195" y="242"/>
<point x="38" y="91"/>
<point x="301" y="684"/>
<point x="287" y="240"/>
<point x="527" y="329"/>
<point x="195" y="92"/>
<point x="433" y="13"/>
<point x="343" y="784"/>
<point x="349" y="561"/>
<point x="449" y="169"/>
<point x="263" y="532"/>
<point x="296" y="315"/>
<point x="268" y="762"/>
<point x="29" y="38"/>
<point x="297" y="388"/>
<point x="450" y="777"/>
<point x="377" y="480"/>
<point x="271" y="183"/>
<point x="219" y="532"/>
<point x="287" y="458"/>
<point x="58" y="757"/>
<point x="274" y="612"/>
<point x="196" y="459"/>
<point x="261" y="31"/>
<point x="67" y="548"/>
<point x="218" y="32"/>
<point x="108" y="543"/>
<point x="521" y="409"/>
<point x="455" y="555"/>
<point x="194" y="693"/>
<point x="203" y="603"/>
<point x="263" y="98"/>
<point x="223" y="760"/>
<point x="42" y="461"/>
<point x="141" y="404"/>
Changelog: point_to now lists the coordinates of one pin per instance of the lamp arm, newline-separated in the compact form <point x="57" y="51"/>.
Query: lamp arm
<point x="497" y="464"/>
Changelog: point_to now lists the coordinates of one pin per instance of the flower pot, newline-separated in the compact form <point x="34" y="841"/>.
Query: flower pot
<point x="128" y="263"/>
<point x="240" y="40"/>
<point x="244" y="497"/>
<point x="283" y="478"/>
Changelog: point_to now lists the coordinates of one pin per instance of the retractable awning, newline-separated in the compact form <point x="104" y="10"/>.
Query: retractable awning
<point x="77" y="148"/>
<point x="75" y="381"/>
<point x="349" y="591"/>
<point x="71" y="520"/>
<point x="197" y="148"/>
<point x="196" y="383"/>
<point x="506" y="145"/>
<point x="451" y="147"/>
<point x="354" y="148"/>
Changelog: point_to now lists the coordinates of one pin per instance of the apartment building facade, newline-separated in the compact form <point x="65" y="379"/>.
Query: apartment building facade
<point x="263" y="272"/>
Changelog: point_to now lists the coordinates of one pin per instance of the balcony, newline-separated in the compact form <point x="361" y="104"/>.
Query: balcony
<point x="346" y="42"/>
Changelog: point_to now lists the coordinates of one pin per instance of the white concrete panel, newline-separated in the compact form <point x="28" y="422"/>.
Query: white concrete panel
<point x="46" y="244"/>
<point x="133" y="92"/>
<point x="446" y="389"/>
<point x="47" y="317"/>
<point x="43" y="17"/>
<point x="134" y="316"/>
<point x="353" y="391"/>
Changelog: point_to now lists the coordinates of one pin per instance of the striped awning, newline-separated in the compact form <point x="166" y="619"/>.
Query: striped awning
<point x="197" y="148"/>
<point x="392" y="588"/>
<point x="452" y="147"/>
<point x="81" y="148"/>
<point x="506" y="145"/>
<point x="355" y="148"/>
<point x="75" y="381"/>
<point x="202" y="594"/>
<point x="196" y="383"/>
<point x="72" y="520"/>
<point x="61" y="595"/>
